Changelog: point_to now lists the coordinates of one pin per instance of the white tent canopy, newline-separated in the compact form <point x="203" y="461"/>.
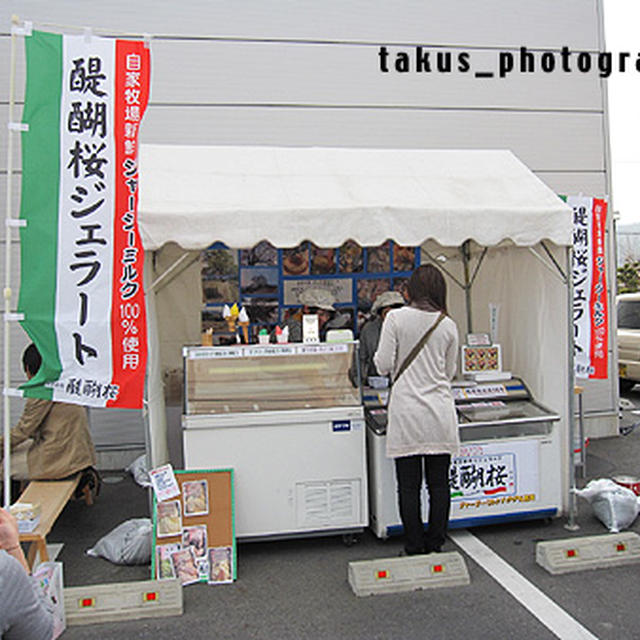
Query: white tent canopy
<point x="197" y="195"/>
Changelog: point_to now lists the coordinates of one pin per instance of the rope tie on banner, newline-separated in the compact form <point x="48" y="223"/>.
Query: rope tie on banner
<point x="18" y="126"/>
<point x="15" y="222"/>
<point x="25" y="30"/>
<point x="13" y="317"/>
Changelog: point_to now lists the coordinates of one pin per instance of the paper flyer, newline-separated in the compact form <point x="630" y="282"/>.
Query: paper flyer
<point x="164" y="482"/>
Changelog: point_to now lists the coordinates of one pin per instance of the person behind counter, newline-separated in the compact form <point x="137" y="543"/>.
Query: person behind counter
<point x="422" y="432"/>
<point x="62" y="444"/>
<point x="316" y="300"/>
<point x="370" y="335"/>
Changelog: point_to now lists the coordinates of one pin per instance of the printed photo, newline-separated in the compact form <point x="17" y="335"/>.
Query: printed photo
<point x="184" y="566"/>
<point x="196" y="538"/>
<point x="295" y="262"/>
<point x="218" y="290"/>
<point x="259" y="281"/>
<point x="404" y="258"/>
<point x="164" y="566"/>
<point x="219" y="276"/>
<point x="323" y="261"/>
<point x="350" y="257"/>
<point x="195" y="495"/>
<point x="220" y="565"/>
<point x="476" y="359"/>
<point x="379" y="258"/>
<point x="169" y="519"/>
<point x="264" y="254"/>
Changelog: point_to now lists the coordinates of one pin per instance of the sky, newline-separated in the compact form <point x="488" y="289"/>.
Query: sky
<point x="621" y="18"/>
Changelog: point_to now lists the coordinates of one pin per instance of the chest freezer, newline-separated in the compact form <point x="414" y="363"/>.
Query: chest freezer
<point x="290" y="424"/>
<point x="509" y="463"/>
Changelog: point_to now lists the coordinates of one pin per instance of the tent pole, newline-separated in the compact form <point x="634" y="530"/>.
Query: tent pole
<point x="571" y="524"/>
<point x="7" y="280"/>
<point x="466" y="253"/>
<point x="156" y="424"/>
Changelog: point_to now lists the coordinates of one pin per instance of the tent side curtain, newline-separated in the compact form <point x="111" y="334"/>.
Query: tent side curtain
<point x="198" y="195"/>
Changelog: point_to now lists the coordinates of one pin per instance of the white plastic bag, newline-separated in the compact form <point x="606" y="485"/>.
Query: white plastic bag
<point x="140" y="471"/>
<point x="615" y="506"/>
<point x="128" y="543"/>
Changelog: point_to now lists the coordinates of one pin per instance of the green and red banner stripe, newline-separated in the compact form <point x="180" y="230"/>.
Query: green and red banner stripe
<point x="81" y="255"/>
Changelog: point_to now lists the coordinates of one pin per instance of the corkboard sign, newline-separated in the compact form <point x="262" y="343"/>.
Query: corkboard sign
<point x="193" y="533"/>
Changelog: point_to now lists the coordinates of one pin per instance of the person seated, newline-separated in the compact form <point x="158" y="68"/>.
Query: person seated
<point x="61" y="442"/>
<point x="370" y="335"/>
<point x="318" y="301"/>
<point x="22" y="612"/>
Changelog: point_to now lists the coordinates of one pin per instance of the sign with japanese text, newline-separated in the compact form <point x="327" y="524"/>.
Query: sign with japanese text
<point x="489" y="475"/>
<point x="590" y="308"/>
<point x="81" y="255"/>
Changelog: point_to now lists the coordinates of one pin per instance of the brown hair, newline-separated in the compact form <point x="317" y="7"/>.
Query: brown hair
<point x="427" y="288"/>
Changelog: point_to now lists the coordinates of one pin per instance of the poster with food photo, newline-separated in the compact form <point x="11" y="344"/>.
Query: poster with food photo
<point x="295" y="262"/>
<point x="196" y="538"/>
<point x="195" y="495"/>
<point x="323" y="261"/>
<point x="379" y="258"/>
<point x="164" y="566"/>
<point x="477" y="359"/>
<point x="350" y="257"/>
<point x="169" y="519"/>
<point x="404" y="258"/>
<point x="185" y="566"/>
<point x="220" y="565"/>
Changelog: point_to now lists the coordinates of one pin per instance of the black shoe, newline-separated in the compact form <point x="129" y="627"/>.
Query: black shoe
<point x="90" y="478"/>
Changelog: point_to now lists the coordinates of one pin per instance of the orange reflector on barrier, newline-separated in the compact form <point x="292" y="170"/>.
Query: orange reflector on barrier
<point x="152" y="596"/>
<point x="382" y="574"/>
<point x="87" y="602"/>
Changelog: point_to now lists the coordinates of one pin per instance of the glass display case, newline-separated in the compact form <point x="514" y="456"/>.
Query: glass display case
<point x="288" y="421"/>
<point x="248" y="378"/>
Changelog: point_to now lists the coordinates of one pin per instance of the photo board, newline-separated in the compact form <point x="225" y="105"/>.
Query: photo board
<point x="194" y="532"/>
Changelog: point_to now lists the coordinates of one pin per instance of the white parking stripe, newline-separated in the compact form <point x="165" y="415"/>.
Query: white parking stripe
<point x="556" y="619"/>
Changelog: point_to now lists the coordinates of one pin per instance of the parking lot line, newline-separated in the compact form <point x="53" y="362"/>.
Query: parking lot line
<point x="556" y="619"/>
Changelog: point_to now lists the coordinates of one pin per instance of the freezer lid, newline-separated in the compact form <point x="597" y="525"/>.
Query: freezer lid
<point x="498" y="411"/>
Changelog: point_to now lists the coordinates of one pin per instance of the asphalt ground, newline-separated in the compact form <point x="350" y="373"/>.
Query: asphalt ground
<point x="298" y="589"/>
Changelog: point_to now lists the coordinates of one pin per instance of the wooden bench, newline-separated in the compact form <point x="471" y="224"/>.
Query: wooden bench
<point x="52" y="496"/>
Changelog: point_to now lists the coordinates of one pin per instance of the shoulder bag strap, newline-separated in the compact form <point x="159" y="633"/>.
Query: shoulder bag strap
<point x="416" y="350"/>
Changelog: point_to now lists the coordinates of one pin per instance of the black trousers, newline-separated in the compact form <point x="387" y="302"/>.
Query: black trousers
<point x="409" y="474"/>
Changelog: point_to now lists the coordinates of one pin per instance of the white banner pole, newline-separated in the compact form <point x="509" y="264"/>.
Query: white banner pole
<point x="7" y="276"/>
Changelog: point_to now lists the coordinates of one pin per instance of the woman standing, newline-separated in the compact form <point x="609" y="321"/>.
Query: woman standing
<point x="418" y="349"/>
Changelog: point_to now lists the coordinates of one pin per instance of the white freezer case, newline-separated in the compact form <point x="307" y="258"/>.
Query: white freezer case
<point x="508" y="468"/>
<point x="297" y="471"/>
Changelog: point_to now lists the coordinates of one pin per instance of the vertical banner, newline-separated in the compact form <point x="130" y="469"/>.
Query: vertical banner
<point x="81" y="255"/>
<point x="590" y="308"/>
